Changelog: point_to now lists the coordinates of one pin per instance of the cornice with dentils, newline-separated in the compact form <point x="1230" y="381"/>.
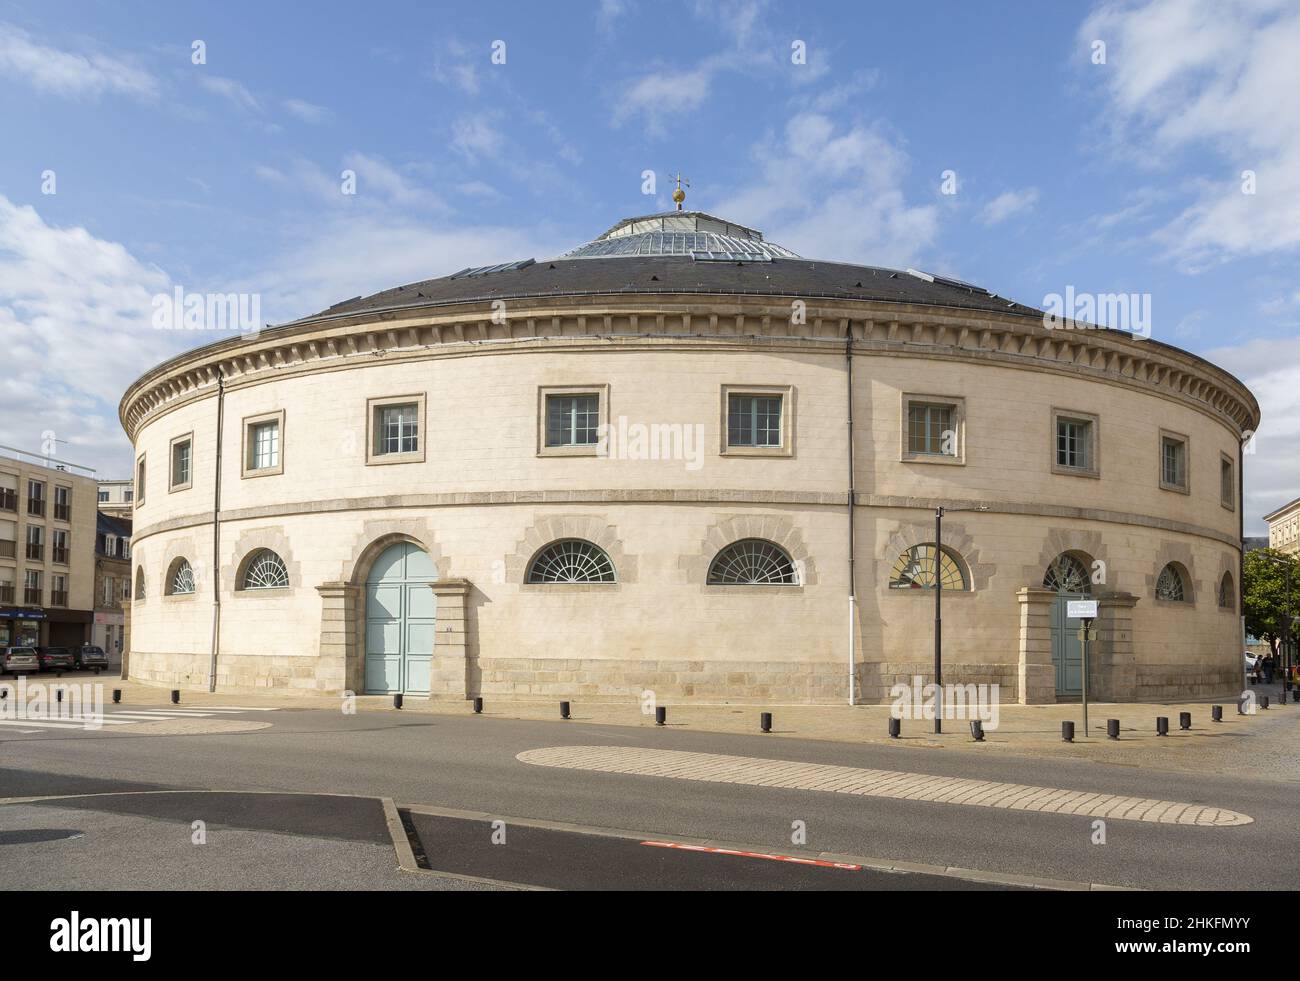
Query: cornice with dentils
<point x="329" y="342"/>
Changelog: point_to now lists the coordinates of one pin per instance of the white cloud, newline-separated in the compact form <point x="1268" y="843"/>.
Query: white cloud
<point x="1009" y="203"/>
<point x="831" y="193"/>
<point x="474" y="137"/>
<point x="1270" y="369"/>
<point x="1184" y="76"/>
<point x="68" y="74"/>
<point x="458" y="66"/>
<point x="609" y="12"/>
<point x="75" y="325"/>
<point x="376" y="174"/>
<point x="308" y="112"/>
<point x="234" y="92"/>
<point x="660" y="94"/>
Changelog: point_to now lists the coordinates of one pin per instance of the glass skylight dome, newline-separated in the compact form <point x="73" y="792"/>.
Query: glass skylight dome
<point x="692" y="234"/>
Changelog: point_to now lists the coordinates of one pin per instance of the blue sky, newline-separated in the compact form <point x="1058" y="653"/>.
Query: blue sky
<point x="225" y="176"/>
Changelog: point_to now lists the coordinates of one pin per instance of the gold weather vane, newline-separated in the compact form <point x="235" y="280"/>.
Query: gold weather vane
<point x="679" y="195"/>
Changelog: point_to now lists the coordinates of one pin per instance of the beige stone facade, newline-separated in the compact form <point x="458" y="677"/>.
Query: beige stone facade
<point x="1284" y="528"/>
<point x="482" y="497"/>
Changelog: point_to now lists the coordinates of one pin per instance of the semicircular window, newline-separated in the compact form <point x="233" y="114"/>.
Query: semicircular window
<point x="1170" y="586"/>
<point x="264" y="570"/>
<point x="181" y="580"/>
<point x="1067" y="575"/>
<point x="571" y="560"/>
<point x="139" y="583"/>
<point x="752" y="562"/>
<point x="916" y="569"/>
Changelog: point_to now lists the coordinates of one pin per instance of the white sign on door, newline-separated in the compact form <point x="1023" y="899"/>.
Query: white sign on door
<point x="1081" y="609"/>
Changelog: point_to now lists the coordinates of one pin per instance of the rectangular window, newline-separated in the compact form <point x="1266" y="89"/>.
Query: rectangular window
<point x="58" y="590"/>
<point x="6" y="590"/>
<point x="139" y="482"/>
<point x="263" y="444"/>
<point x="103" y="497"/>
<point x="266" y="445"/>
<point x="1173" y="462"/>
<point x="59" y="547"/>
<point x="32" y="589"/>
<point x="572" y="420"/>
<point x="128" y="496"/>
<point x="1227" y="483"/>
<point x="1074" y="443"/>
<point x="62" y="503"/>
<point x="399" y="429"/>
<point x="106" y="592"/>
<point x="36" y="543"/>
<point x="181" y="463"/>
<point x="930" y="429"/>
<point x="753" y="420"/>
<point x="36" y="498"/>
<point x="393" y="427"/>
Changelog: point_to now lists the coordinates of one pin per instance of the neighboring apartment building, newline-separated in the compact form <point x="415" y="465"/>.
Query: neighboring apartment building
<point x="117" y="498"/>
<point x="112" y="583"/>
<point x="47" y="541"/>
<point x="1284" y="527"/>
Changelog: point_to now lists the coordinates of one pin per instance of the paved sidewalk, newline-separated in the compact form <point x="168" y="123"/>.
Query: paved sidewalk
<point x="1265" y="745"/>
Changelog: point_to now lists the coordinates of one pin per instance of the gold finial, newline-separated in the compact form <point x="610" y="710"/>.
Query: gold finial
<point x="679" y="195"/>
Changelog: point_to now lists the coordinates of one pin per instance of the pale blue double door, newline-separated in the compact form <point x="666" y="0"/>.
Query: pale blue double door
<point x="401" y="619"/>
<point x="1067" y="648"/>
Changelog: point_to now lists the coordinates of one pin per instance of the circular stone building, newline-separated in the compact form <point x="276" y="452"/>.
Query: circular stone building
<point x="682" y="459"/>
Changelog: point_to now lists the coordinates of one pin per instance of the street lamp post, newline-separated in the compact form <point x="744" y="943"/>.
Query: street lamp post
<point x="939" y="512"/>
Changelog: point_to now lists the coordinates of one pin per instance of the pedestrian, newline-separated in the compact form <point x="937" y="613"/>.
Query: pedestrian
<point x="1268" y="669"/>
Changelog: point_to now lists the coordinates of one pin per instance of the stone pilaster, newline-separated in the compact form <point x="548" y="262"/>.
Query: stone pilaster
<point x="448" y="674"/>
<point x="1037" y="675"/>
<point x="1112" y="670"/>
<point x="126" y="641"/>
<point x="341" y="665"/>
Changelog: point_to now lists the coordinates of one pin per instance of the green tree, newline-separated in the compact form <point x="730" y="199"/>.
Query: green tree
<point x="1264" y="594"/>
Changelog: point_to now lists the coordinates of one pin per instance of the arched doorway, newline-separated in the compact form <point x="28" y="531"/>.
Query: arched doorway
<point x="401" y="613"/>
<point x="1069" y="578"/>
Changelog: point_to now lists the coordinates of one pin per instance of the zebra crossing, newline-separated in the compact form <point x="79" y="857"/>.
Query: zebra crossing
<point x="114" y="715"/>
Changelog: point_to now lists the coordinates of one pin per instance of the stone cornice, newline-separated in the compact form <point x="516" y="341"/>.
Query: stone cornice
<point x="727" y="497"/>
<point x="690" y="321"/>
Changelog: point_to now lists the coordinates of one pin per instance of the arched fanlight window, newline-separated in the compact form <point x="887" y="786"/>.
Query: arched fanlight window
<point x="571" y="560"/>
<point x="1227" y="592"/>
<point x="264" y="570"/>
<point x="753" y="562"/>
<point x="916" y="569"/>
<point x="1170" y="584"/>
<point x="139" y="582"/>
<point x="1067" y="574"/>
<point x="180" y="578"/>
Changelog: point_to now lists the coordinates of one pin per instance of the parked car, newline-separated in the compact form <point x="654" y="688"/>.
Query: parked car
<point x="88" y="657"/>
<point x="54" y="658"/>
<point x="19" y="660"/>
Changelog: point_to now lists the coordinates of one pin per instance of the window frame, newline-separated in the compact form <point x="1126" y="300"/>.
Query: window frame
<point x="1229" y="501"/>
<point x="1186" y="486"/>
<point x="172" y="484"/>
<point x="958" y="405"/>
<point x="66" y="505"/>
<point x="544" y="392"/>
<point x="1093" y="422"/>
<point x="139" y="486"/>
<point x="374" y="409"/>
<point x="247" y="447"/>
<point x="786" y="393"/>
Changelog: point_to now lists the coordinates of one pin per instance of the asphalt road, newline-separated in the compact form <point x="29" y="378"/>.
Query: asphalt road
<point x="469" y="764"/>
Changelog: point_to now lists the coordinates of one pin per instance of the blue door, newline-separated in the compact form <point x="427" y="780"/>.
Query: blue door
<point x="1067" y="649"/>
<point x="401" y="611"/>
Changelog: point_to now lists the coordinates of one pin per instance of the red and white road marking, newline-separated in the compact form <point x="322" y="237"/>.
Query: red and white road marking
<point x="767" y="855"/>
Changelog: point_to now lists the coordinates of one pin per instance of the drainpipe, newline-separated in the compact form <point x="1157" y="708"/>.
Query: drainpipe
<point x="216" y="539"/>
<point x="853" y="595"/>
<point x="1241" y="549"/>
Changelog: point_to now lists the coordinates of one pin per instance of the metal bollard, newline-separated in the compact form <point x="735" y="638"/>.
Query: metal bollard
<point x="176" y="696"/>
<point x="1184" y="720"/>
<point x="977" y="730"/>
<point x="895" y="727"/>
<point x="1067" y="731"/>
<point x="1112" y="728"/>
<point x="1162" y="725"/>
<point x="765" y="721"/>
<point x="661" y="715"/>
<point x="564" y="710"/>
<point x="1216" y="713"/>
<point x="117" y="695"/>
<point x="58" y="695"/>
<point x="397" y="701"/>
<point x="478" y="705"/>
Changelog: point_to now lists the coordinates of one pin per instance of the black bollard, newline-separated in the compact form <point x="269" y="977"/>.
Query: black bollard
<point x="176" y="696"/>
<point x="397" y="700"/>
<point x="1112" y="728"/>
<point x="661" y="715"/>
<point x="478" y="705"/>
<point x="977" y="730"/>
<point x="564" y="710"/>
<point x="1162" y="725"/>
<point x="117" y="695"/>
<point x="895" y="727"/>
<point x="1184" y="720"/>
<point x="765" y="721"/>
<point x="1067" y="731"/>
<point x="1216" y="713"/>
<point x="58" y="695"/>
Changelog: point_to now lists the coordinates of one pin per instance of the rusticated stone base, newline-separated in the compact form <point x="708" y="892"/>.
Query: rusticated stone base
<point x="310" y="675"/>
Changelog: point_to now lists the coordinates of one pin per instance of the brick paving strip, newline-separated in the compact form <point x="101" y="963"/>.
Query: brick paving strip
<point x="752" y="771"/>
